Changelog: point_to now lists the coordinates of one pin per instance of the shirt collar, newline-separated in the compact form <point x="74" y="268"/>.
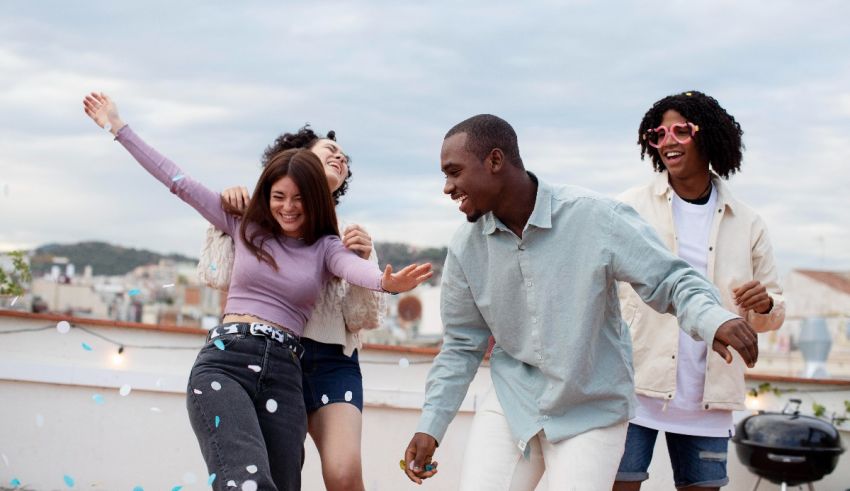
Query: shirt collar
<point x="661" y="187"/>
<point x="541" y="215"/>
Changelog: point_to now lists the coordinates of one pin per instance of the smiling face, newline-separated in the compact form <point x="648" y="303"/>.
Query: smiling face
<point x="287" y="207"/>
<point x="334" y="161"/>
<point x="682" y="160"/>
<point x="468" y="181"/>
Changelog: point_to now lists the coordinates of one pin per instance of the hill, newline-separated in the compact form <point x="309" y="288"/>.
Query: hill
<point x="105" y="259"/>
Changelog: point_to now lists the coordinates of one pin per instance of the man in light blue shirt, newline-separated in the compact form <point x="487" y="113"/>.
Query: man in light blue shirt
<point x="536" y="267"/>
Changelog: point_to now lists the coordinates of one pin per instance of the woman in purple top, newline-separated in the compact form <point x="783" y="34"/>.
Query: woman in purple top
<point x="245" y="397"/>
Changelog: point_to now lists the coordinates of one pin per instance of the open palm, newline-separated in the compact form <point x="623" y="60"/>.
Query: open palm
<point x="100" y="108"/>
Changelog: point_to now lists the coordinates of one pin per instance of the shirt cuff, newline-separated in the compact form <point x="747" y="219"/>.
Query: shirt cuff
<point x="432" y="424"/>
<point x="711" y="321"/>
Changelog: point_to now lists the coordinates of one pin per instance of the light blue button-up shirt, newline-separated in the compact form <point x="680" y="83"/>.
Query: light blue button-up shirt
<point x="562" y="361"/>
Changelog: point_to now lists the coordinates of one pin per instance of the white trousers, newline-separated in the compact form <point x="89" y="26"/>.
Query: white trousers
<point x="494" y="462"/>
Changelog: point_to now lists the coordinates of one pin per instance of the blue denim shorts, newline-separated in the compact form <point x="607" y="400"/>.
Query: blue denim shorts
<point x="328" y="376"/>
<point x="696" y="460"/>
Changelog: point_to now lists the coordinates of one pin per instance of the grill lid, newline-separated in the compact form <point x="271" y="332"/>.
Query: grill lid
<point x="789" y="431"/>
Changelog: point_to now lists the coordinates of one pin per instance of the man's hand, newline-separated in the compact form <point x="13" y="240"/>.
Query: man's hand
<point x="738" y="335"/>
<point x="753" y="296"/>
<point x="418" y="456"/>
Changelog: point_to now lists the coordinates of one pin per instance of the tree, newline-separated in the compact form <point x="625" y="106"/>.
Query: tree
<point x="12" y="282"/>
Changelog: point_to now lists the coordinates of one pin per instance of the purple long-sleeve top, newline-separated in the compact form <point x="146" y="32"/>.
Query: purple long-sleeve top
<point x="285" y="297"/>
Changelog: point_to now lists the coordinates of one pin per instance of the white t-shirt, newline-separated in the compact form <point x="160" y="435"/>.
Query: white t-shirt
<point x="684" y="413"/>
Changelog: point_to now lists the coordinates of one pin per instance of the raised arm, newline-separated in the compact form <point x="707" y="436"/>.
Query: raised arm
<point x="352" y="268"/>
<point x="103" y="111"/>
<point x="669" y="285"/>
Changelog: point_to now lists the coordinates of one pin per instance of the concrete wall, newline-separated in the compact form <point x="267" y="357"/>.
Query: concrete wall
<point x="50" y="426"/>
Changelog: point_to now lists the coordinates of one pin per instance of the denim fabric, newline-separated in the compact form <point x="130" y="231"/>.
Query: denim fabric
<point x="329" y="376"/>
<point x="243" y="434"/>
<point x="696" y="460"/>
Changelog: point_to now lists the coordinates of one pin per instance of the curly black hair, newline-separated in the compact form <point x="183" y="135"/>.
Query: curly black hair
<point x="305" y="137"/>
<point x="718" y="138"/>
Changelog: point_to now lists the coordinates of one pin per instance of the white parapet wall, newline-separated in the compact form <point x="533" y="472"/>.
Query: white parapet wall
<point x="62" y="412"/>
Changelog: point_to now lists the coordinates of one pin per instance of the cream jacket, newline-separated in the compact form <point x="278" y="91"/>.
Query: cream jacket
<point x="739" y="250"/>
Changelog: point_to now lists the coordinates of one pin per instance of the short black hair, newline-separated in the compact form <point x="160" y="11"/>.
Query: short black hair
<point x="305" y="137"/>
<point x="485" y="132"/>
<point x="718" y="138"/>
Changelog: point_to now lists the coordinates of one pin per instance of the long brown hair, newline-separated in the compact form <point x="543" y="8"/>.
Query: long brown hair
<point x="304" y="168"/>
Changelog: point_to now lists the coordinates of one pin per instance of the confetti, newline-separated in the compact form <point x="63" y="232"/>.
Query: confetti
<point x="138" y="488"/>
<point x="251" y="469"/>
<point x="217" y="421"/>
<point x="196" y="391"/>
<point x="39" y="420"/>
<point x="63" y="327"/>
<point x="255" y="368"/>
<point x="156" y="409"/>
<point x="169" y="285"/>
<point x="98" y="399"/>
<point x="69" y="481"/>
<point x="125" y="390"/>
<point x="134" y="292"/>
<point x="429" y="467"/>
<point x="86" y="346"/>
<point x="401" y="465"/>
<point x="231" y="483"/>
<point x="211" y="479"/>
<point x="249" y="485"/>
<point x="271" y="405"/>
<point x="15" y="482"/>
<point x="5" y="459"/>
<point x="189" y="478"/>
<point x="219" y="344"/>
<point x="403" y="362"/>
<point x="176" y="488"/>
<point x="348" y="396"/>
<point x="158" y="383"/>
<point x="14" y="301"/>
<point x="325" y="399"/>
<point x="215" y="385"/>
<point x="177" y="177"/>
<point x="212" y="267"/>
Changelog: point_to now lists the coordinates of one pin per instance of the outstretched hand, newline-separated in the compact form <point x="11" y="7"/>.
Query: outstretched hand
<point x="417" y="457"/>
<point x="406" y="279"/>
<point x="100" y="108"/>
<point x="738" y="335"/>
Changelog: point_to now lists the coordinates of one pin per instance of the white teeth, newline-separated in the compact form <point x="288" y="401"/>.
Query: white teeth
<point x="671" y="155"/>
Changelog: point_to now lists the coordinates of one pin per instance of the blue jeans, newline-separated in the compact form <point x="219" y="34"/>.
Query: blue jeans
<point x="330" y="376"/>
<point x="696" y="460"/>
<point x="247" y="410"/>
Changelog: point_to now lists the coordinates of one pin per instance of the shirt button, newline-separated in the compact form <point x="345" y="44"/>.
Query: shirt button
<point x="545" y="418"/>
<point x="528" y="284"/>
<point x="534" y="320"/>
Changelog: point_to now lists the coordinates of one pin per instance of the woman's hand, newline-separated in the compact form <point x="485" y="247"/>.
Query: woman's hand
<point x="357" y="239"/>
<point x="237" y="197"/>
<point x="406" y="279"/>
<point x="103" y="111"/>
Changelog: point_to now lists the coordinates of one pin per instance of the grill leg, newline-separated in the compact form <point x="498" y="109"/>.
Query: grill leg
<point x="784" y="487"/>
<point x="811" y="487"/>
<point x="757" y="484"/>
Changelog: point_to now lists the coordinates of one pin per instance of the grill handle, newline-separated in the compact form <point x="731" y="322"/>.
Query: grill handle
<point x="795" y="402"/>
<point x="786" y="459"/>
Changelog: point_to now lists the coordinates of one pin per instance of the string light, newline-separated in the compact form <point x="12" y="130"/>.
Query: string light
<point x="118" y="358"/>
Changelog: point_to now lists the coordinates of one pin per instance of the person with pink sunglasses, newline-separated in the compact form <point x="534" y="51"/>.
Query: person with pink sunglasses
<point x="684" y="389"/>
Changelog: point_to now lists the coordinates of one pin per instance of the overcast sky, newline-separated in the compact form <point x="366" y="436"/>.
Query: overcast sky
<point x="210" y="84"/>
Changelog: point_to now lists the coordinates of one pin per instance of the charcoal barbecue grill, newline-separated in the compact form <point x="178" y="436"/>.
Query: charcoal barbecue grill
<point x="787" y="448"/>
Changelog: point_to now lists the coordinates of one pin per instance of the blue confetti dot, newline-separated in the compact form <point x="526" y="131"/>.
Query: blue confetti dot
<point x="211" y="479"/>
<point x="86" y="346"/>
<point x="219" y="344"/>
<point x="217" y="421"/>
<point x="177" y="177"/>
<point x="176" y="488"/>
<point x="429" y="467"/>
<point x="98" y="399"/>
<point x="69" y="481"/>
<point x="212" y="266"/>
<point x="15" y="482"/>
<point x="138" y="488"/>
<point x="134" y="292"/>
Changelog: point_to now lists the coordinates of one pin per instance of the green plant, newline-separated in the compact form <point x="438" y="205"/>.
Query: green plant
<point x="12" y="282"/>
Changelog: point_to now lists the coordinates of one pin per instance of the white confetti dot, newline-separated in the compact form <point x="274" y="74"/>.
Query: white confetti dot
<point x="348" y="395"/>
<point x="255" y="368"/>
<point x="271" y="405"/>
<point x="125" y="390"/>
<point x="251" y="469"/>
<point x="325" y="399"/>
<point x="156" y="409"/>
<point x="158" y="383"/>
<point x="231" y="483"/>
<point x="39" y="420"/>
<point x="403" y="362"/>
<point x="14" y="301"/>
<point x="5" y="459"/>
<point x="215" y="385"/>
<point x="249" y="485"/>
<point x="196" y="391"/>
<point x="63" y="327"/>
<point x="169" y="285"/>
<point x="189" y="478"/>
